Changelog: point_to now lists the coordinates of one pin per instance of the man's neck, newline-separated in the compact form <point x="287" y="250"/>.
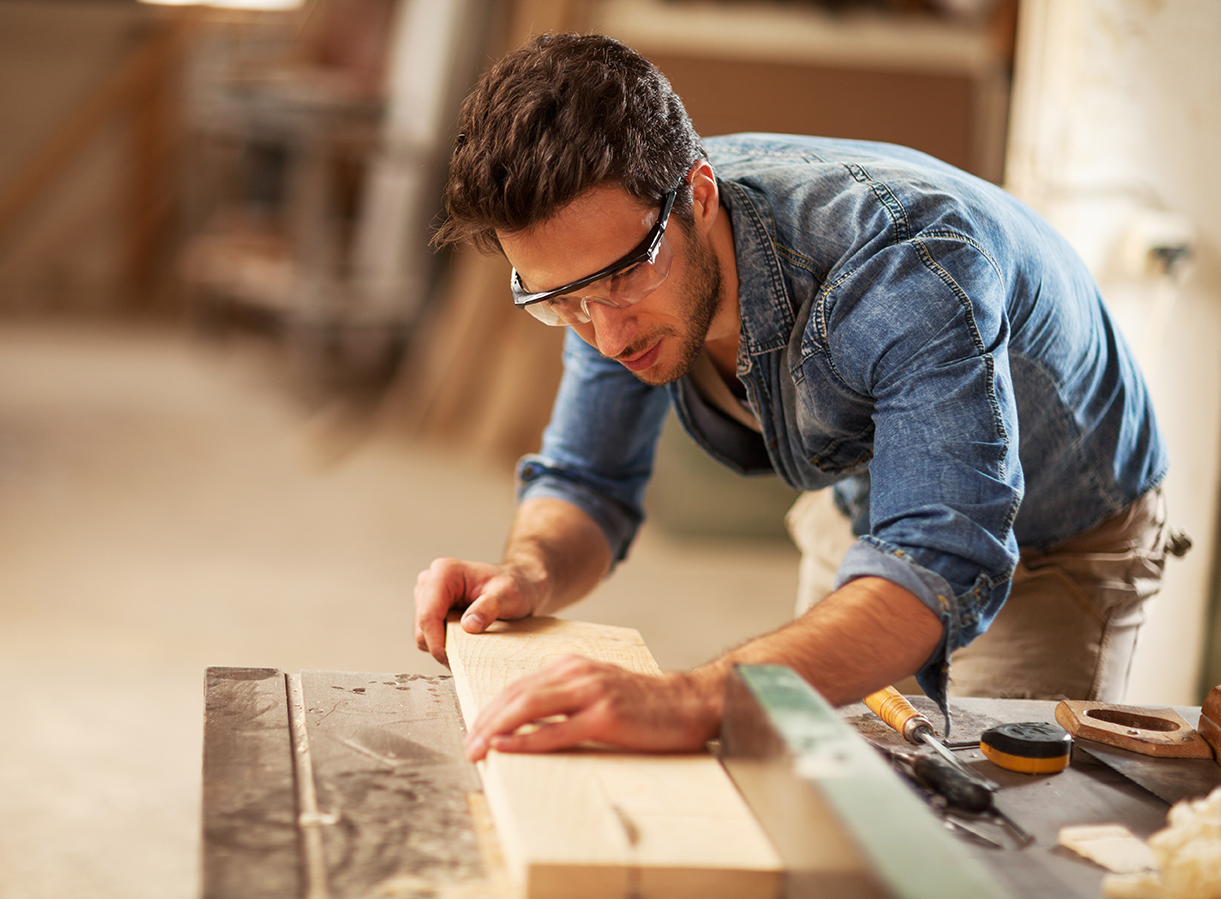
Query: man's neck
<point x="723" y="334"/>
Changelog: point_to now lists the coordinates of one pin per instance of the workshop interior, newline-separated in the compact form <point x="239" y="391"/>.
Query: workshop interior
<point x="244" y="401"/>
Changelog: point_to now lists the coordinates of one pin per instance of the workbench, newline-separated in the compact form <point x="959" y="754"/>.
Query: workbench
<point x="342" y="784"/>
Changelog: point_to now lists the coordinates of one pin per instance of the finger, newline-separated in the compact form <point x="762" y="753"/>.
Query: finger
<point x="550" y="691"/>
<point x="554" y="689"/>
<point x="421" y="637"/>
<point x="430" y="632"/>
<point x="433" y="630"/>
<point x="493" y="598"/>
<point x="546" y="737"/>
<point x="483" y="611"/>
<point x="506" y="713"/>
<point x="438" y="589"/>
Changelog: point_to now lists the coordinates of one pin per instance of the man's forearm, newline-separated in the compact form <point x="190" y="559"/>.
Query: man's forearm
<point x="862" y="637"/>
<point x="560" y="549"/>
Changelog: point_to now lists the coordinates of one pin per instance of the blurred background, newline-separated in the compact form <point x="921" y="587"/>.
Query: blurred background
<point x="242" y="403"/>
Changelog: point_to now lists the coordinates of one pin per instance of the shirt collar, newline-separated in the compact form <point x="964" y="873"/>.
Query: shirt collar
<point x="765" y="307"/>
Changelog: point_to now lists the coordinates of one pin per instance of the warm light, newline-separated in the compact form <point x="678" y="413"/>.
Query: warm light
<point x="232" y="4"/>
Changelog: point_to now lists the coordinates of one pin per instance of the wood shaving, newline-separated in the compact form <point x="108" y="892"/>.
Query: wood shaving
<point x="1112" y="846"/>
<point x="1188" y="855"/>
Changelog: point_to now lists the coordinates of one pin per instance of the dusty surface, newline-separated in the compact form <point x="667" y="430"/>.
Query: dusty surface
<point x="166" y="505"/>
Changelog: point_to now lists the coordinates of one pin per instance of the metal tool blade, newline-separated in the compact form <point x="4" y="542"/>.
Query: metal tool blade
<point x="1169" y="779"/>
<point x="844" y="823"/>
<point x="944" y="751"/>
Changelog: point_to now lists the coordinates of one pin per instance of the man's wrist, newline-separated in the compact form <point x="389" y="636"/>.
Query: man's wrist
<point x="529" y="574"/>
<point x="706" y="689"/>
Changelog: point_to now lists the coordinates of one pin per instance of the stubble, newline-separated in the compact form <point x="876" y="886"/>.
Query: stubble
<point x="701" y="302"/>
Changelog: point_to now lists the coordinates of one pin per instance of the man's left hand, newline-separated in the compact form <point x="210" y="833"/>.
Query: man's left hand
<point x="574" y="700"/>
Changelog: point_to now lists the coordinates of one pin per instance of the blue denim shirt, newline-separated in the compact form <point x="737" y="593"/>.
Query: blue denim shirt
<point x="911" y="334"/>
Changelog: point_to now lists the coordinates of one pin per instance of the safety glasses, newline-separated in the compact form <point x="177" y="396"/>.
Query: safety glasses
<point x="621" y="284"/>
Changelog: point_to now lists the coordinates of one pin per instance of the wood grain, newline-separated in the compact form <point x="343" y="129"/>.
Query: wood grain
<point x="1162" y="733"/>
<point x="597" y="823"/>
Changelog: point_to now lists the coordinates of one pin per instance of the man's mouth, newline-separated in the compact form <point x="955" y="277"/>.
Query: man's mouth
<point x="643" y="360"/>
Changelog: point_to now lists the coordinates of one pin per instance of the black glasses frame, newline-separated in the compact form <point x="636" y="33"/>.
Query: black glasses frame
<point x="645" y="251"/>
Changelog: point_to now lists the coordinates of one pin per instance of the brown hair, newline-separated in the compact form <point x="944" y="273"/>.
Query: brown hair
<point x="558" y="116"/>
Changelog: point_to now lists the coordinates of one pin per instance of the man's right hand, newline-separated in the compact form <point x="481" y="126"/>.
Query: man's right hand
<point x="487" y="592"/>
<point x="555" y="554"/>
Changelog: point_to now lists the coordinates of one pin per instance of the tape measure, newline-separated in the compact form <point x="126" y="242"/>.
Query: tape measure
<point x="1029" y="747"/>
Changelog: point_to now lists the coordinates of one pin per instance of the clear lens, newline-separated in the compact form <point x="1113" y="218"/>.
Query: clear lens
<point x="563" y="311"/>
<point x="619" y="291"/>
<point x="546" y="313"/>
<point x="634" y="284"/>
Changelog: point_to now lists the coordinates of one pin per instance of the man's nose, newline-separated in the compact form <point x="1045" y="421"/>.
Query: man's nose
<point x="613" y="328"/>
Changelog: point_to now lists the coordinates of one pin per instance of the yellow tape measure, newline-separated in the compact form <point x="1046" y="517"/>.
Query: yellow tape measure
<point x="1030" y="747"/>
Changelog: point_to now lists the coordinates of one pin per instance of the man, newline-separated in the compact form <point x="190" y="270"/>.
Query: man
<point x="847" y="315"/>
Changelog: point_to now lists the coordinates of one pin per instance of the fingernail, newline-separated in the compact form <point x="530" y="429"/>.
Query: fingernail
<point x="476" y="749"/>
<point x="473" y="623"/>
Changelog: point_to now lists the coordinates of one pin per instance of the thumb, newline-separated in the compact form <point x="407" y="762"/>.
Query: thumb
<point x="480" y="614"/>
<point x="500" y="598"/>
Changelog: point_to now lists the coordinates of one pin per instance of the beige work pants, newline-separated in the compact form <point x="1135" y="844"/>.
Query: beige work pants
<point x="1069" y="627"/>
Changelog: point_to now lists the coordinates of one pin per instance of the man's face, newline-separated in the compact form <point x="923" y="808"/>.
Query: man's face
<point x="659" y="337"/>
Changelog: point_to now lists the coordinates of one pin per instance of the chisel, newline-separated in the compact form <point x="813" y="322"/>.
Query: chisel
<point x="893" y="708"/>
<point x="960" y="786"/>
<point x="958" y="790"/>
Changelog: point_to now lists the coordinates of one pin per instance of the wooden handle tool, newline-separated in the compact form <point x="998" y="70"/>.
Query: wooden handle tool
<point x="893" y="708"/>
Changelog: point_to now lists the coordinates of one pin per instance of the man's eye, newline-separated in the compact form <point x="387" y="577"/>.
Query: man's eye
<point x="627" y="276"/>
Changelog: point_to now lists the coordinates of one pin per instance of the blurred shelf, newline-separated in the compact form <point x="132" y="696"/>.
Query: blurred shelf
<point x="802" y="33"/>
<point x="935" y="83"/>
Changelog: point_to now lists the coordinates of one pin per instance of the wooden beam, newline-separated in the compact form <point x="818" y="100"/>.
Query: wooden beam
<point x="598" y="823"/>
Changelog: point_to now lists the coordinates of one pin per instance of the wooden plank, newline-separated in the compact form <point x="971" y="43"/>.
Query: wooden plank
<point x="250" y="841"/>
<point x="393" y="784"/>
<point x="596" y="823"/>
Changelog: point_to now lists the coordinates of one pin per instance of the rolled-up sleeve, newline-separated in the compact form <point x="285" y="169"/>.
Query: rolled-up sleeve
<point x="921" y="327"/>
<point x="598" y="449"/>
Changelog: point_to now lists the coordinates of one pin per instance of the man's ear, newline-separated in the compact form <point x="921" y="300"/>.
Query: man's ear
<point x="705" y="197"/>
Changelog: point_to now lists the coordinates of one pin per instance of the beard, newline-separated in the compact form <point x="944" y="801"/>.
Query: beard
<point x="701" y="300"/>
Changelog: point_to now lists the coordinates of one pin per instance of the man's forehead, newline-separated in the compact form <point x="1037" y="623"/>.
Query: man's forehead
<point x="600" y="206"/>
<point x="593" y="231"/>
